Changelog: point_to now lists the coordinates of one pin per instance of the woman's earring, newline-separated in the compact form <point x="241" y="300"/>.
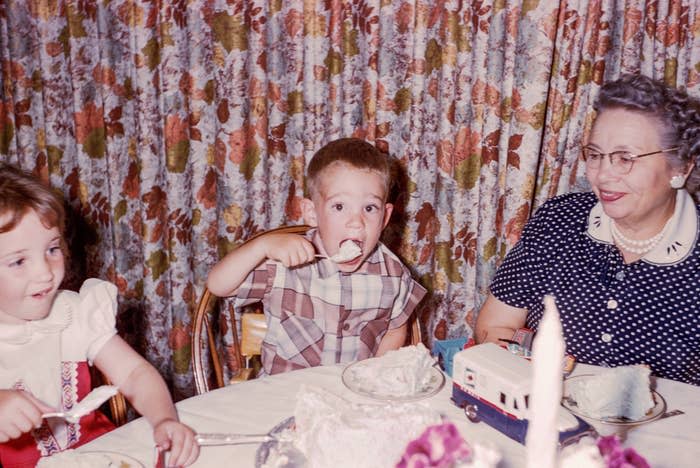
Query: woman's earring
<point x="677" y="181"/>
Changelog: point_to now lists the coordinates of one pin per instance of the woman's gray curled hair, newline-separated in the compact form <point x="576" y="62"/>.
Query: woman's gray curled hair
<point x="677" y="112"/>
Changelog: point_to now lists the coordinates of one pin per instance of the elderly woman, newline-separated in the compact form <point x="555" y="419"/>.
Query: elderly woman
<point x="622" y="262"/>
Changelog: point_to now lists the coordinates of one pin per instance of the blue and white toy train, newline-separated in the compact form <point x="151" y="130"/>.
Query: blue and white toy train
<point x="493" y="385"/>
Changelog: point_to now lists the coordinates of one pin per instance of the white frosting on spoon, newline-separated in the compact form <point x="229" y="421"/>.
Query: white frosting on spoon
<point x="348" y="251"/>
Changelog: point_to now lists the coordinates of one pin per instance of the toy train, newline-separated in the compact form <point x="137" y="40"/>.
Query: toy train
<point x="493" y="385"/>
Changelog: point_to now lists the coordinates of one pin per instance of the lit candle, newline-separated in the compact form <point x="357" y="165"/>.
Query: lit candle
<point x="547" y="357"/>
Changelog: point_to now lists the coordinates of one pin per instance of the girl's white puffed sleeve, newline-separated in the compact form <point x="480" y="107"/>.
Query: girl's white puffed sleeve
<point x="96" y="314"/>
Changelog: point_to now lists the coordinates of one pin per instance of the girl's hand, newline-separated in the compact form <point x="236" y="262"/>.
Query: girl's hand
<point x="289" y="249"/>
<point x="20" y="412"/>
<point x="179" y="440"/>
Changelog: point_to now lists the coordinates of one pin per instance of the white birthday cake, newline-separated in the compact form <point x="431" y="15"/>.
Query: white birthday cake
<point x="331" y="431"/>
<point x="334" y="432"/>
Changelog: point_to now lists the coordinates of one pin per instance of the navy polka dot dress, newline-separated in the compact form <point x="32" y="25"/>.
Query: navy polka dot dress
<point x="612" y="313"/>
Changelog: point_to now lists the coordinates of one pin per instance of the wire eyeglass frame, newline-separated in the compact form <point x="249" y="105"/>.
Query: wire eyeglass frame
<point x="620" y="161"/>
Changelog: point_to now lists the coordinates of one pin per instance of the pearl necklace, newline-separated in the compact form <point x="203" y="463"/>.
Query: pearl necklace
<point x="640" y="247"/>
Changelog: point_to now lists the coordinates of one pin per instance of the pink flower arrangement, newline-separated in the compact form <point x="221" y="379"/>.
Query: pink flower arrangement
<point x="616" y="456"/>
<point x="439" y="446"/>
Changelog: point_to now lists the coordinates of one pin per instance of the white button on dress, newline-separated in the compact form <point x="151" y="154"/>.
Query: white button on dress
<point x="612" y="304"/>
<point x="606" y="337"/>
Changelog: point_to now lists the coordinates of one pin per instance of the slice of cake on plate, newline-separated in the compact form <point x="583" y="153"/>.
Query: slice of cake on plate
<point x="617" y="392"/>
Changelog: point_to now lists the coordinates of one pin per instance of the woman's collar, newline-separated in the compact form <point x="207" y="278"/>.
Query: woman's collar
<point x="674" y="246"/>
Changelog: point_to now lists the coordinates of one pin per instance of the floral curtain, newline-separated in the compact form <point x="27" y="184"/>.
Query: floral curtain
<point x="176" y="129"/>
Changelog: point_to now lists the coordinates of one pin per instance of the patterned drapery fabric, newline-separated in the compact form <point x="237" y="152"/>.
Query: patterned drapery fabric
<point x="176" y="129"/>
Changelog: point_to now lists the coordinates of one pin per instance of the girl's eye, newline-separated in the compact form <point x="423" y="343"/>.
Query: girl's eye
<point x="338" y="207"/>
<point x="55" y="250"/>
<point x="17" y="263"/>
<point x="370" y="208"/>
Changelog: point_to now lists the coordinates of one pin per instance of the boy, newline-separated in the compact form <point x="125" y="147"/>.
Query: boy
<point x="318" y="311"/>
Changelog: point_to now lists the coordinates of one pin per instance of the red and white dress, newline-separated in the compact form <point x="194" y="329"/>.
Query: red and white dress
<point x="50" y="358"/>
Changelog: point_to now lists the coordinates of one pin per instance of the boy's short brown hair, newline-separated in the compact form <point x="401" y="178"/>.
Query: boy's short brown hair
<point x="21" y="191"/>
<point x="352" y="151"/>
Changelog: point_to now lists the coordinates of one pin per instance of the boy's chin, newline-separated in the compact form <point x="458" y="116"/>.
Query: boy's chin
<point x="351" y="266"/>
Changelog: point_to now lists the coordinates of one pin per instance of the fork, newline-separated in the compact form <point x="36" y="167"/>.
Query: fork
<point x="668" y="414"/>
<point x="228" y="439"/>
<point x="295" y="457"/>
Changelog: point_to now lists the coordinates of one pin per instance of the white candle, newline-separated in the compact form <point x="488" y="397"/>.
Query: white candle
<point x="547" y="357"/>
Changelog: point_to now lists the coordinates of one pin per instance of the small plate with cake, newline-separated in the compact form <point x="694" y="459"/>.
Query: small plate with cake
<point x="614" y="400"/>
<point x="406" y="374"/>
<point x="379" y="390"/>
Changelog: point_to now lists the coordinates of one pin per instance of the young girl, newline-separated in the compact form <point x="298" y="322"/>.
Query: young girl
<point x="48" y="337"/>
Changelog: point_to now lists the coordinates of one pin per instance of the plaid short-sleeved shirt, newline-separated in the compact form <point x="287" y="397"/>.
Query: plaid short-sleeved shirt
<point x="318" y="315"/>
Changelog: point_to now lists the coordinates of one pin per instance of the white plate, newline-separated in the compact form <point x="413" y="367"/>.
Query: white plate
<point x="654" y="413"/>
<point x="435" y="383"/>
<point x="98" y="459"/>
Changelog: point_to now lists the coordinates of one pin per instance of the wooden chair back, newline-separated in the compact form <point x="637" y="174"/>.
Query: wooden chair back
<point x="118" y="409"/>
<point x="253" y="329"/>
<point x="207" y="306"/>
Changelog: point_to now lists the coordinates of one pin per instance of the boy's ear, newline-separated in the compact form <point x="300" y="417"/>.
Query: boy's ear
<point x="388" y="208"/>
<point x="308" y="212"/>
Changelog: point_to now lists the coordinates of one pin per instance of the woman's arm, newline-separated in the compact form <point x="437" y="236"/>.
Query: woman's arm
<point x="498" y="320"/>
<point x="145" y="389"/>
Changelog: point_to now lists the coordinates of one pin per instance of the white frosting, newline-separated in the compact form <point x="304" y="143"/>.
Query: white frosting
<point x="93" y="400"/>
<point x="618" y="392"/>
<point x="584" y="454"/>
<point x="348" y="250"/>
<point x="402" y="372"/>
<point x="334" y="432"/>
<point x="483" y="456"/>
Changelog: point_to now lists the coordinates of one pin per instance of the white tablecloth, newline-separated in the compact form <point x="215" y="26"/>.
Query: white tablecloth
<point x="256" y="406"/>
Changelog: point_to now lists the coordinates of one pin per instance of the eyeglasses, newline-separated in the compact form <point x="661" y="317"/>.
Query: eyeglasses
<point x="620" y="161"/>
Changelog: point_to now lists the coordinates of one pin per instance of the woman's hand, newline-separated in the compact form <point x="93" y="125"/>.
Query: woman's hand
<point x="177" y="438"/>
<point x="20" y="412"/>
<point x="498" y="320"/>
